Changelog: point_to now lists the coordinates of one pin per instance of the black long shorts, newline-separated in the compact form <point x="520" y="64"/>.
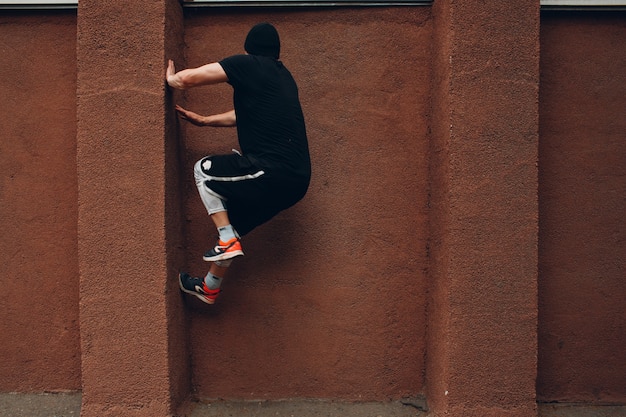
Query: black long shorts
<point x="253" y="195"/>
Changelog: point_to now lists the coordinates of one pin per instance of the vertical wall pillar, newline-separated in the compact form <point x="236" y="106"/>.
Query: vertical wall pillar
<point x="482" y="344"/>
<point x="134" y="351"/>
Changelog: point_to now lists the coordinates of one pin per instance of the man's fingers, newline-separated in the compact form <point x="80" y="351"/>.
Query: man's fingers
<point x="181" y="112"/>
<point x="170" y="71"/>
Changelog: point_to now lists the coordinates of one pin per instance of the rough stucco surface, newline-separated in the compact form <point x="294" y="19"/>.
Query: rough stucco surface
<point x="582" y="204"/>
<point x="482" y="312"/>
<point x="38" y="249"/>
<point x="134" y="356"/>
<point x="329" y="300"/>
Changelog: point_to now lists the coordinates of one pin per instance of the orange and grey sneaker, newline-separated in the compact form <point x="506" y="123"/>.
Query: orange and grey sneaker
<point x="224" y="250"/>
<point x="197" y="287"/>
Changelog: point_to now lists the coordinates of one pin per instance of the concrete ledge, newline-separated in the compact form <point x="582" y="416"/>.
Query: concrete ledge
<point x="40" y="405"/>
<point x="68" y="405"/>
<point x="306" y="408"/>
<point x="578" y="410"/>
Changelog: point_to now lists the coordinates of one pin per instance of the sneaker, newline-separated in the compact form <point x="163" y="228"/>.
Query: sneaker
<point x="224" y="250"/>
<point x="197" y="287"/>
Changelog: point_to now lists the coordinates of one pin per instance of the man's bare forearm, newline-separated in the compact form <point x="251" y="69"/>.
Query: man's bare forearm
<point x="227" y="119"/>
<point x="193" y="77"/>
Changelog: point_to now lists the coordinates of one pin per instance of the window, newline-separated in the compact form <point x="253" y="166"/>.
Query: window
<point x="38" y="4"/>
<point x="217" y="3"/>
<point x="583" y="4"/>
<point x="545" y="4"/>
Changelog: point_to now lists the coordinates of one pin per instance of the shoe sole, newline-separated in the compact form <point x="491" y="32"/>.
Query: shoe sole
<point x="223" y="256"/>
<point x="200" y="296"/>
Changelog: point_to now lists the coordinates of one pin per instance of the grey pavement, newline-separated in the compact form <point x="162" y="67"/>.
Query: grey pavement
<point x="40" y="405"/>
<point x="307" y="408"/>
<point x="68" y="405"/>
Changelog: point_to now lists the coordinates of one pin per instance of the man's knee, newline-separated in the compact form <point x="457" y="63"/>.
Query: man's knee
<point x="201" y="170"/>
<point x="202" y="167"/>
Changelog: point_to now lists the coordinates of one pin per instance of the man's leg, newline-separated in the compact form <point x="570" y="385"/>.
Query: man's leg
<point x="208" y="288"/>
<point x="228" y="246"/>
<point x="217" y="271"/>
<point x="220" y="218"/>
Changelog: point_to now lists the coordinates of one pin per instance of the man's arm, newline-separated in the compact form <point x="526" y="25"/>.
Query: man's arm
<point x="227" y="119"/>
<point x="193" y="77"/>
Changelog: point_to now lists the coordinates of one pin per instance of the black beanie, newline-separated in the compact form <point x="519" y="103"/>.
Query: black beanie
<point x="263" y="40"/>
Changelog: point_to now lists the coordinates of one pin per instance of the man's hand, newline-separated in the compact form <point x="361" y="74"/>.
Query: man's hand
<point x="170" y="75"/>
<point x="228" y="119"/>
<point x="171" y="70"/>
<point x="193" y="118"/>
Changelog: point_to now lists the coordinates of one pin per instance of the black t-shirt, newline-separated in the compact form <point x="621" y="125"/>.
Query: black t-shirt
<point x="270" y="123"/>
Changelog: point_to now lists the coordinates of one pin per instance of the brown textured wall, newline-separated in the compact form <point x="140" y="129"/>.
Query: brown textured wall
<point x="329" y="300"/>
<point x="39" y="330"/>
<point x="133" y="337"/>
<point x="582" y="204"/>
<point x="482" y="313"/>
<point x="298" y="319"/>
